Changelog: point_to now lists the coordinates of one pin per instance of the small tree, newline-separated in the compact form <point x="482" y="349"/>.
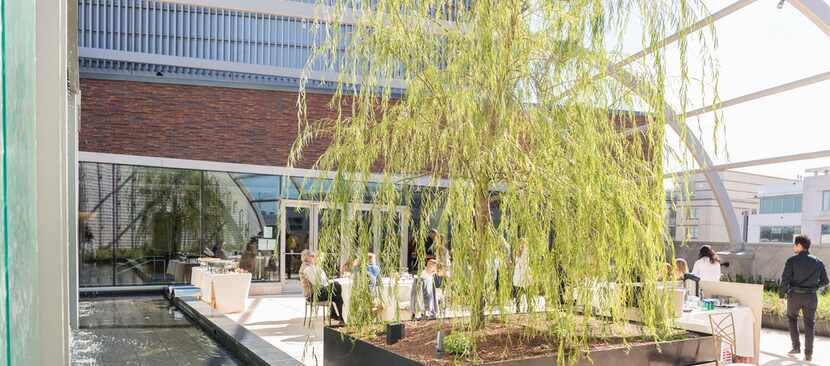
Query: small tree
<point x="511" y="103"/>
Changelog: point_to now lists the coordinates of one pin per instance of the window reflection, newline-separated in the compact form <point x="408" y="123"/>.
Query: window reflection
<point x="135" y="221"/>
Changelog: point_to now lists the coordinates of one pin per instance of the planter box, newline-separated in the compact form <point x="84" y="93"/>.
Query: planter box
<point x="343" y="350"/>
<point x="774" y="321"/>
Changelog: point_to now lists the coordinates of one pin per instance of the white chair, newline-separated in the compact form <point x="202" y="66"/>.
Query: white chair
<point x="723" y="330"/>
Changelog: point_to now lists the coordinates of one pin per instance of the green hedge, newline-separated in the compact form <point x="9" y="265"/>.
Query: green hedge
<point x="772" y="305"/>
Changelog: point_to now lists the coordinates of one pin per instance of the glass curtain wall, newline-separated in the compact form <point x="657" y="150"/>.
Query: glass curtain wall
<point x="134" y="220"/>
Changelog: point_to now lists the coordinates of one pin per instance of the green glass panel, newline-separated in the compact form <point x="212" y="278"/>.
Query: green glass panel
<point x="19" y="261"/>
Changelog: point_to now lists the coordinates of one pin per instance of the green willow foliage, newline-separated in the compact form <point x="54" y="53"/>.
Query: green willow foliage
<point x="510" y="103"/>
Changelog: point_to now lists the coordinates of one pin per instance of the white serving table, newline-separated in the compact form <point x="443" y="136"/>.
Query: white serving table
<point x="173" y="268"/>
<point x="196" y="276"/>
<point x="391" y="303"/>
<point x="179" y="270"/>
<point x="698" y="321"/>
<point x="226" y="292"/>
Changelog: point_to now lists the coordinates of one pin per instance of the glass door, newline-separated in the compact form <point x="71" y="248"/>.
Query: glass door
<point x="296" y="236"/>
<point x="301" y="220"/>
<point x="383" y="242"/>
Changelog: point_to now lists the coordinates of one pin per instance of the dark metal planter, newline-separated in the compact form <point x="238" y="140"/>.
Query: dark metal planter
<point x="343" y="350"/>
<point x="774" y="321"/>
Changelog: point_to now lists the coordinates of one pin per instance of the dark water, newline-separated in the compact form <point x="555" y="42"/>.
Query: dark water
<point x="141" y="331"/>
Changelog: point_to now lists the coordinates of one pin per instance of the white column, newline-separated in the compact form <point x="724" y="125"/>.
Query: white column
<point x="55" y="142"/>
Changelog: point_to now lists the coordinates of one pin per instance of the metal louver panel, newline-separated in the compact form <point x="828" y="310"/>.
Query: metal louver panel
<point x="170" y="29"/>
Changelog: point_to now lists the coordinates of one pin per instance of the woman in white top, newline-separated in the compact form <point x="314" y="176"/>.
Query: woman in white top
<point x="707" y="267"/>
<point x="520" y="274"/>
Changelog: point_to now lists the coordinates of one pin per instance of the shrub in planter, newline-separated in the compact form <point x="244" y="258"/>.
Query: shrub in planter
<point x="457" y="343"/>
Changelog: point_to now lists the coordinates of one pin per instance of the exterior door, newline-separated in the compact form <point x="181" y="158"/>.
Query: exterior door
<point x="299" y="224"/>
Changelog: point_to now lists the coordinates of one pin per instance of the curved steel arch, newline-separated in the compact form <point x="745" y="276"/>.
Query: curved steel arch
<point x="818" y="12"/>
<point x="700" y="155"/>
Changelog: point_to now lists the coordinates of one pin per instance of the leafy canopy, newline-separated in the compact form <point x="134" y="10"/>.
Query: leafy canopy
<point x="509" y="105"/>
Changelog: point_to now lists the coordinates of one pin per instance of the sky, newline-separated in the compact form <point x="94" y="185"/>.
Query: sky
<point x="760" y="47"/>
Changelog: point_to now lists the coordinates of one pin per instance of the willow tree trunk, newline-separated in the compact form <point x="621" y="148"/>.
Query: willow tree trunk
<point x="480" y="275"/>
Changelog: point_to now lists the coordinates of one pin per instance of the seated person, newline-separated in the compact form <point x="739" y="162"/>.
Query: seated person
<point x="373" y="269"/>
<point x="319" y="287"/>
<point x="681" y="267"/>
<point x="346" y="270"/>
<point x="219" y="250"/>
<point x="248" y="260"/>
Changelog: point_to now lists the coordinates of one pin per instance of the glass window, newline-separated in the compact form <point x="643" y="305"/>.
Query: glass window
<point x="825" y="203"/>
<point x="306" y="188"/>
<point x="779" y="234"/>
<point x="95" y="255"/>
<point x="268" y="211"/>
<point x="694" y="213"/>
<point x="138" y="224"/>
<point x="781" y="204"/>
<point x="156" y="218"/>
<point x="259" y="187"/>
<point x="694" y="232"/>
<point x="825" y="234"/>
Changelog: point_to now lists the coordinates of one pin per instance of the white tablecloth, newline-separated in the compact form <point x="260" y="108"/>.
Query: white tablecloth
<point x="389" y="304"/>
<point x="196" y="276"/>
<point x="226" y="292"/>
<point x="698" y="321"/>
<point x="179" y="270"/>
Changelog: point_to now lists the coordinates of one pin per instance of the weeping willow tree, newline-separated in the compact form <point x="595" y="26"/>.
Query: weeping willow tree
<point x="514" y="104"/>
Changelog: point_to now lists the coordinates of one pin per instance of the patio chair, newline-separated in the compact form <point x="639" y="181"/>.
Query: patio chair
<point x="312" y="307"/>
<point x="723" y="330"/>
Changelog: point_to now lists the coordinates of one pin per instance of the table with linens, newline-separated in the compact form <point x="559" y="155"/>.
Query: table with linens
<point x="179" y="270"/>
<point x="390" y="305"/>
<point x="196" y="276"/>
<point x="225" y="292"/>
<point x="698" y="321"/>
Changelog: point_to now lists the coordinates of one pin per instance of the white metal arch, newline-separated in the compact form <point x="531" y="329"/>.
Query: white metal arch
<point x="698" y="152"/>
<point x="817" y="11"/>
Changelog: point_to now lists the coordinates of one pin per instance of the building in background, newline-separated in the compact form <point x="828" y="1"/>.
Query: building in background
<point x="796" y="208"/>
<point x="702" y="220"/>
<point x="188" y="116"/>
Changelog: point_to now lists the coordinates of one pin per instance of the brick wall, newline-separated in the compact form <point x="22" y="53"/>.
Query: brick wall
<point x="232" y="125"/>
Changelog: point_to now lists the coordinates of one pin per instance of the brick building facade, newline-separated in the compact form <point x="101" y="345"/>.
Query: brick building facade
<point x="222" y="124"/>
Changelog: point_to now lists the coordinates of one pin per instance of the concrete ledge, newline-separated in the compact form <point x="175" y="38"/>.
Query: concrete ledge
<point x="242" y="343"/>
<point x="774" y="321"/>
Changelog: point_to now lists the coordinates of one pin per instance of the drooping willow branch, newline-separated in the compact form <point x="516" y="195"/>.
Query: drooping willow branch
<point x="504" y="108"/>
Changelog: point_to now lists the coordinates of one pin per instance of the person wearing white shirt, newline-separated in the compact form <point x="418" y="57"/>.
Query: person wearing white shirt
<point x="707" y="267"/>
<point x="429" y="294"/>
<point x="521" y="276"/>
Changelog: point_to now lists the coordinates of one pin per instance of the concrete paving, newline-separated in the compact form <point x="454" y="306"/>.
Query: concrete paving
<point x="776" y="343"/>
<point x="279" y="321"/>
